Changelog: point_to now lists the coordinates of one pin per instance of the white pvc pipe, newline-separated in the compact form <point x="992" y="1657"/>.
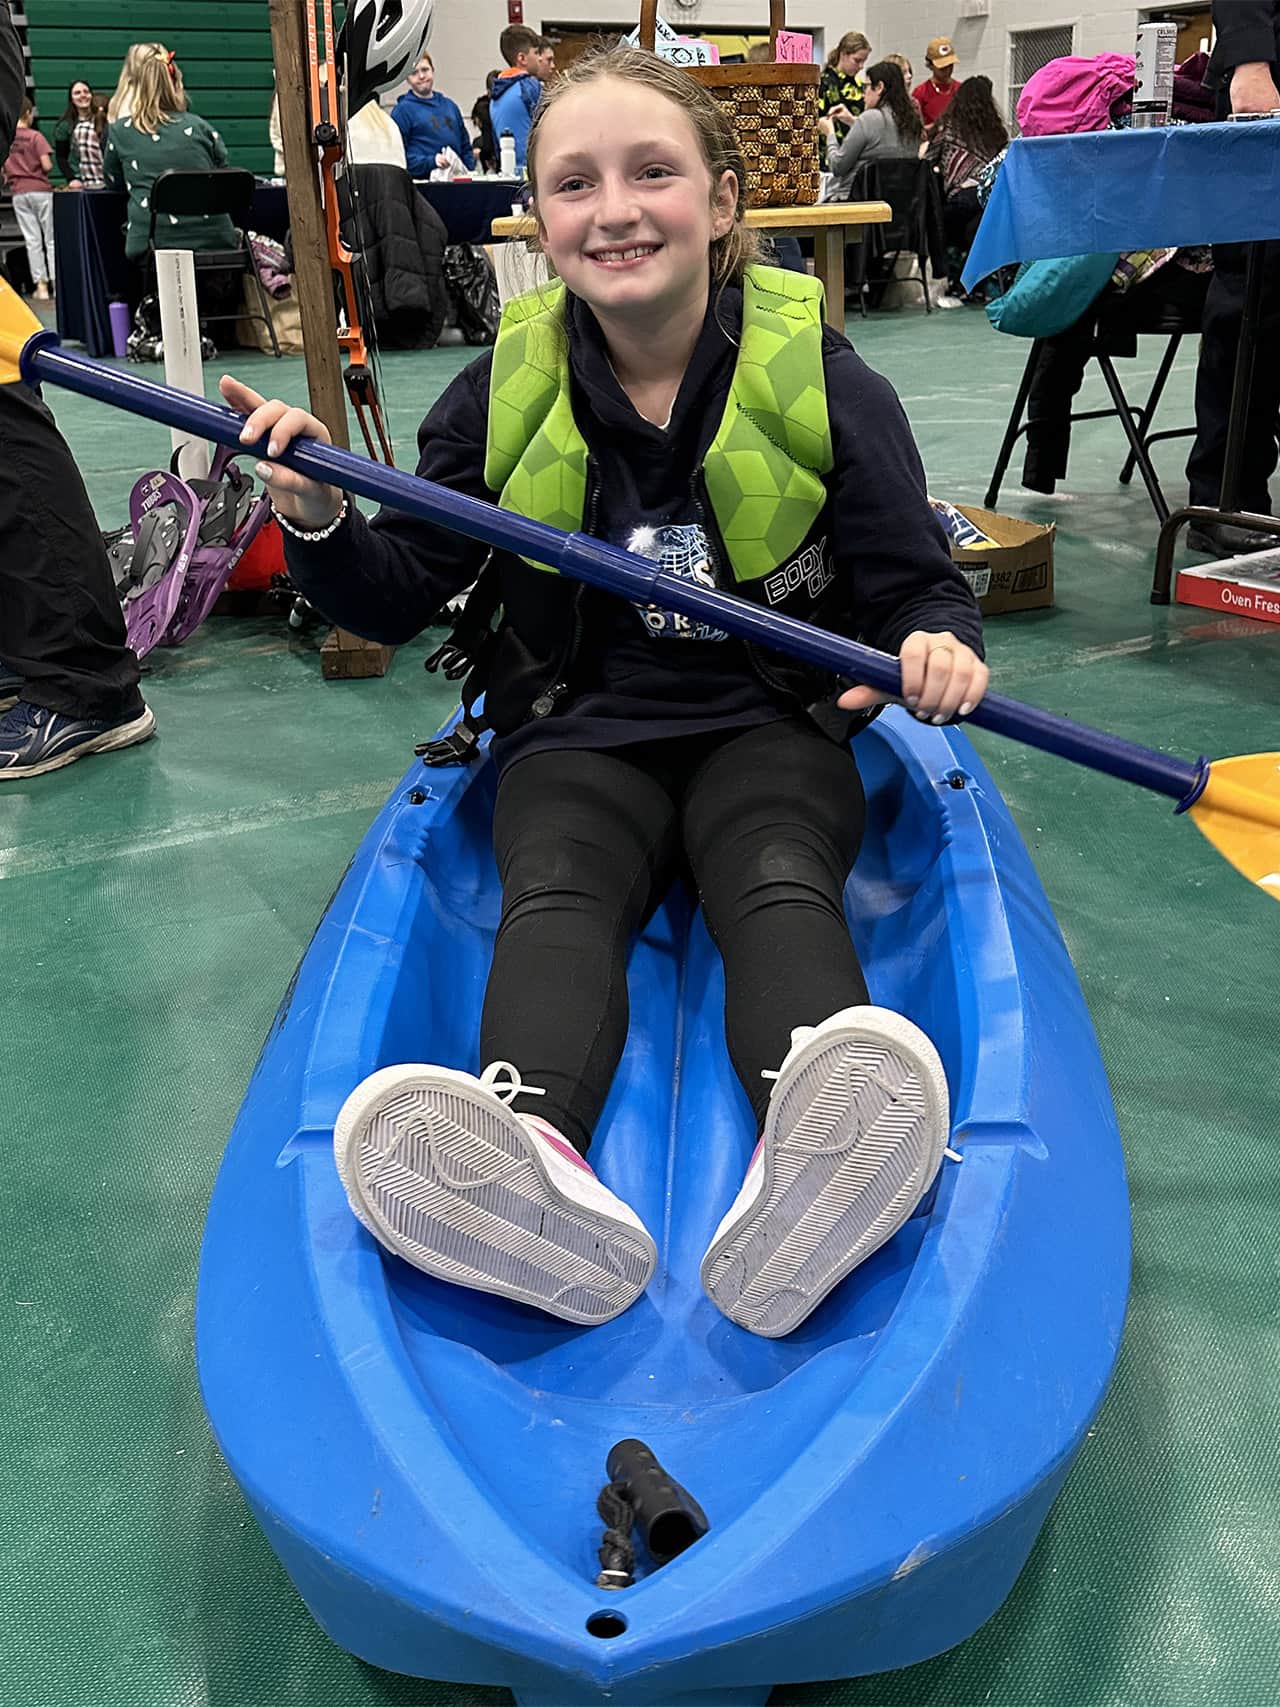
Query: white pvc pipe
<point x="183" y="366"/>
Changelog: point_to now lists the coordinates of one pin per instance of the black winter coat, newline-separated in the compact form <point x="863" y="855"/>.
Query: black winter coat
<point x="403" y="241"/>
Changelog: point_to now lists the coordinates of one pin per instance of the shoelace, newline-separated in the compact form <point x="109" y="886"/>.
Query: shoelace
<point x="511" y="1086"/>
<point x="801" y="1034"/>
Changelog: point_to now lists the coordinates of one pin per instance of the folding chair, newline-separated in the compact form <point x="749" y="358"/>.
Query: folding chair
<point x="219" y="190"/>
<point x="1109" y="343"/>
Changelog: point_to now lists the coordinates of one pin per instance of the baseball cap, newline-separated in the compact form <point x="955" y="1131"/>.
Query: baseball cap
<point x="940" y="51"/>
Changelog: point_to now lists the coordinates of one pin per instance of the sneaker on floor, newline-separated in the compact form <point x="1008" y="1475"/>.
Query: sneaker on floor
<point x="950" y="301"/>
<point x="444" y="1174"/>
<point x="856" y="1130"/>
<point x="34" y="739"/>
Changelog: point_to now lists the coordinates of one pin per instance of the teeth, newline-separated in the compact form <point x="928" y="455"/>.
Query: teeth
<point x="625" y="254"/>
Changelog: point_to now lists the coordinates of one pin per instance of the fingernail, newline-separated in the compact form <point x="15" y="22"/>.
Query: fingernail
<point x="922" y="716"/>
<point x="966" y="708"/>
<point x="273" y="449"/>
<point x="244" y="435"/>
<point x="940" y="718"/>
<point x="264" y="471"/>
<point x="913" y="700"/>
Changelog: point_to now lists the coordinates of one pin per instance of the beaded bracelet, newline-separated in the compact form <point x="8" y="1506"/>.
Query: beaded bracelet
<point x="312" y="533"/>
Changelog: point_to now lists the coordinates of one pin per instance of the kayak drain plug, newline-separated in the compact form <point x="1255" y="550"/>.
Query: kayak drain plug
<point x="641" y="1494"/>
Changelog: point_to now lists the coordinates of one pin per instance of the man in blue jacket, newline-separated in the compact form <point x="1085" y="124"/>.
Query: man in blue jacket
<point x="517" y="91"/>
<point x="430" y="122"/>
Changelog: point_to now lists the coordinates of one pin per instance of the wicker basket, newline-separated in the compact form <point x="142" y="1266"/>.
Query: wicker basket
<point x="775" y="113"/>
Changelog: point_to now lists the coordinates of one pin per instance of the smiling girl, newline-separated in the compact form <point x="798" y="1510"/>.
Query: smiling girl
<point x="671" y="396"/>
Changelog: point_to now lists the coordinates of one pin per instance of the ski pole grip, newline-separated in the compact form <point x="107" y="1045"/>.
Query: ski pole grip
<point x="668" y="1517"/>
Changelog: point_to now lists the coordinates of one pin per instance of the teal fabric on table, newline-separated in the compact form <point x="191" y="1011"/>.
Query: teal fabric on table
<point x="1116" y="190"/>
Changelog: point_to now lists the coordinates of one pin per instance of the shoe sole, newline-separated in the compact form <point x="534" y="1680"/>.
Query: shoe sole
<point x="458" y="1189"/>
<point x="851" y="1144"/>
<point x="126" y="735"/>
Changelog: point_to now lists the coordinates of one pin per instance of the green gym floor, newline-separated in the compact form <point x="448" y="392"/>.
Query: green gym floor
<point x="156" y="901"/>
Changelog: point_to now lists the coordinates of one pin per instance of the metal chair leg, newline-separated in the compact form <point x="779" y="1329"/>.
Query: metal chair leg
<point x="1013" y="430"/>
<point x="1134" y="435"/>
<point x="1147" y="414"/>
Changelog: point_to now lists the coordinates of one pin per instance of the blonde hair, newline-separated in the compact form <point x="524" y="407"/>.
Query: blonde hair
<point x="853" y="41"/>
<point x="903" y="64"/>
<point x="717" y="139"/>
<point x="159" y="95"/>
<point x="120" y="106"/>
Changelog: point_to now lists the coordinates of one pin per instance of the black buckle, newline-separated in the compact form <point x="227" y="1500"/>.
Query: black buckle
<point x="459" y="747"/>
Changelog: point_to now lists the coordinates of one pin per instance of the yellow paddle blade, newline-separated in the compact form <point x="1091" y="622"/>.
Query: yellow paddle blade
<point x="1239" y="811"/>
<point x="17" y="323"/>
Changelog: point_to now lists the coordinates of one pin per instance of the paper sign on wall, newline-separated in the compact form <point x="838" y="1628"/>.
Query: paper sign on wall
<point x="794" y="48"/>
<point x="680" y="50"/>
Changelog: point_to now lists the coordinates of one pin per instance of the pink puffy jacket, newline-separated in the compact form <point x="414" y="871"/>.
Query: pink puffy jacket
<point x="1075" y="94"/>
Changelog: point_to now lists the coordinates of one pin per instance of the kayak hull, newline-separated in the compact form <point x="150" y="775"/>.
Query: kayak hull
<point x="425" y="1460"/>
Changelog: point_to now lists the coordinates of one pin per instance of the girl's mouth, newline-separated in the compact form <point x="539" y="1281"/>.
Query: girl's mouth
<point x="624" y="256"/>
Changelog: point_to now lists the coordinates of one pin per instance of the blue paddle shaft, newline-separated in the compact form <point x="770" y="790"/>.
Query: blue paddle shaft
<point x="595" y="561"/>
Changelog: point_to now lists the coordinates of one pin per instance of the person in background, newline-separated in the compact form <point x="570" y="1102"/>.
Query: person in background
<point x="934" y="95"/>
<point x="1245" y="71"/>
<point x="429" y="121"/>
<point x="152" y="141"/>
<point x="79" y="136"/>
<point x="904" y="65"/>
<point x="275" y="136"/>
<point x="26" y="172"/>
<point x="486" y="143"/>
<point x="840" y="92"/>
<point x="971" y="133"/>
<point x="546" y="68"/>
<point x="120" y="106"/>
<point x="518" y="89"/>
<point x="759" y="54"/>
<point x="888" y="128"/>
<point x="68" y="679"/>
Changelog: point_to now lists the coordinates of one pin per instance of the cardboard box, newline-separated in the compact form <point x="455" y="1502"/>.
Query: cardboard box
<point x="1016" y="573"/>
<point x="1254" y="591"/>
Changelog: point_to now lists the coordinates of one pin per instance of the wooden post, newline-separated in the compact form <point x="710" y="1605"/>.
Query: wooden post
<point x="344" y="656"/>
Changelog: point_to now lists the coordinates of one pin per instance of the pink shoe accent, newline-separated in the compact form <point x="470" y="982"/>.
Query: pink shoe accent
<point x="557" y="1141"/>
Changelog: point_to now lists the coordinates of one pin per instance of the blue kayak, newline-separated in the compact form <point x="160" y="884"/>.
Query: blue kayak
<point x="426" y="1459"/>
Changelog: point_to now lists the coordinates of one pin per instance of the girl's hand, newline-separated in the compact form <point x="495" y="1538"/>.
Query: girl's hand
<point x="941" y="678"/>
<point x="841" y="114"/>
<point x="304" y="502"/>
<point x="826" y="126"/>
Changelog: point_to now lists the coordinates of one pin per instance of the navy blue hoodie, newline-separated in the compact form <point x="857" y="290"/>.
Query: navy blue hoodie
<point x="576" y="666"/>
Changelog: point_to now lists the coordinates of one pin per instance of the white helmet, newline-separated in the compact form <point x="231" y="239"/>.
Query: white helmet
<point x="380" y="43"/>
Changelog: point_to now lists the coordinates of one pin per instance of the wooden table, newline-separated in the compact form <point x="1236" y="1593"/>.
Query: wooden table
<point x="829" y="224"/>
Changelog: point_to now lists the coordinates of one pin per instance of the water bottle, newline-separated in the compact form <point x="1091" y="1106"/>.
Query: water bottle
<point x="507" y="155"/>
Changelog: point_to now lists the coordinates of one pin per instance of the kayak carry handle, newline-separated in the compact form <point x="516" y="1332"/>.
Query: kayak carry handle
<point x="667" y="1515"/>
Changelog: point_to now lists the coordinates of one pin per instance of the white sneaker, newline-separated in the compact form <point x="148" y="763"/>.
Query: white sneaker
<point x="444" y="1174"/>
<point x="856" y="1129"/>
<point x="949" y="301"/>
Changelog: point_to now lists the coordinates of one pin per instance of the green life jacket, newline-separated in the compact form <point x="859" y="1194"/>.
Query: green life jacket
<point x="764" y="468"/>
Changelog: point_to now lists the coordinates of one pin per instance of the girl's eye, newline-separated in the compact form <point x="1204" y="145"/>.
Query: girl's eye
<point x="656" y="172"/>
<point x="571" y="184"/>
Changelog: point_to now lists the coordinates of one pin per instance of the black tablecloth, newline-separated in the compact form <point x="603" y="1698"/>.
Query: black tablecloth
<point x="468" y="210"/>
<point x="88" y="235"/>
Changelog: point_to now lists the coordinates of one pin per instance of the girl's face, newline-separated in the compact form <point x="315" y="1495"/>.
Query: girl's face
<point x="850" y="64"/>
<point x="626" y="207"/>
<point x="873" y="96"/>
<point x="81" y="96"/>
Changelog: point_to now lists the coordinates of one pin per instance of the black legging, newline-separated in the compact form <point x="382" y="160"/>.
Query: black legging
<point x="770" y="820"/>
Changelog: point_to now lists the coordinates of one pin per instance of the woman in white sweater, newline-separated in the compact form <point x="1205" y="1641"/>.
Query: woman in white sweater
<point x="890" y="127"/>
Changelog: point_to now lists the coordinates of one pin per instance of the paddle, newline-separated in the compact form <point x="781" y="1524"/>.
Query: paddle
<point x="1235" y="802"/>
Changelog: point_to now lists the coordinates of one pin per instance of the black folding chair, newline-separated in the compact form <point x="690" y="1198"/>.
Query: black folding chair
<point x="1108" y="343"/>
<point x="910" y="187"/>
<point x="221" y="190"/>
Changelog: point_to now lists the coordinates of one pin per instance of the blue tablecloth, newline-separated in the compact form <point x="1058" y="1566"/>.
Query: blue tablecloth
<point x="1115" y="190"/>
<point x="468" y="210"/>
<point x="88" y="236"/>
